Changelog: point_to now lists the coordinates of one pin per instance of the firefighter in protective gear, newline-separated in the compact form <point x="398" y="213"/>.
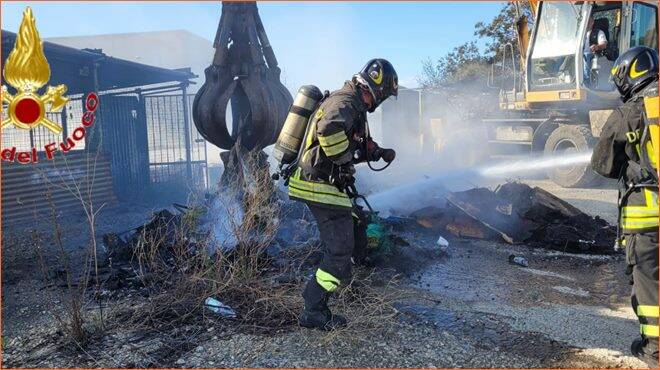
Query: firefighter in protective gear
<point x="337" y="137"/>
<point x="628" y="150"/>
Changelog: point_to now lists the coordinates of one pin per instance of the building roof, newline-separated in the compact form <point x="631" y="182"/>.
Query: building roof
<point x="171" y="49"/>
<point x="75" y="68"/>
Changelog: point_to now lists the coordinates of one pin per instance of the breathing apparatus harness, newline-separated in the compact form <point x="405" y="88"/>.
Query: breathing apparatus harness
<point x="370" y="155"/>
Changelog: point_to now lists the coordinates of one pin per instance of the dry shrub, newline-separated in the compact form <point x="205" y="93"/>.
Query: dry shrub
<point x="368" y="302"/>
<point x="179" y="273"/>
<point x="72" y="319"/>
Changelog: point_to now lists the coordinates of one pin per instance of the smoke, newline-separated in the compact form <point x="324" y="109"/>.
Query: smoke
<point x="225" y="215"/>
<point x="406" y="198"/>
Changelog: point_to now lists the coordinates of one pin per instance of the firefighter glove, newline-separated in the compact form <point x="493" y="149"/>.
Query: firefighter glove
<point x="388" y="155"/>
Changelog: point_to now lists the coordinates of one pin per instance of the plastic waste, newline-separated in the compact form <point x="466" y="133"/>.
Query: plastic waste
<point x="443" y="244"/>
<point x="377" y="236"/>
<point x="219" y="308"/>
<point x="518" y="260"/>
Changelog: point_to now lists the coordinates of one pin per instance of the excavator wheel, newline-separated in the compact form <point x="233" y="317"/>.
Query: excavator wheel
<point x="568" y="139"/>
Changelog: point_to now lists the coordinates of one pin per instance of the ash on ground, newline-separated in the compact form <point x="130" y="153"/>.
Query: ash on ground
<point x="415" y="304"/>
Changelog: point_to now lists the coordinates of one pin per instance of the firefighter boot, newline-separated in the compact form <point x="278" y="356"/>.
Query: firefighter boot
<point x="316" y="313"/>
<point x="645" y="351"/>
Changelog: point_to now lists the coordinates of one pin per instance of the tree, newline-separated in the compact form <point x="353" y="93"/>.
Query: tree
<point x="502" y="29"/>
<point x="463" y="64"/>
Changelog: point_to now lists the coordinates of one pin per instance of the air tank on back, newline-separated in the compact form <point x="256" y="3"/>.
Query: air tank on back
<point x="293" y="131"/>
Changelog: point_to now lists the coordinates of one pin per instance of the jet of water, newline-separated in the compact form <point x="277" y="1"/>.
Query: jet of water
<point x="410" y="197"/>
<point x="542" y="163"/>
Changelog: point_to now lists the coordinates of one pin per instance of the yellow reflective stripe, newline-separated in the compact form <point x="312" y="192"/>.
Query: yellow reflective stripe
<point x="327" y="281"/>
<point x="639" y="212"/>
<point x="653" y="145"/>
<point x="640" y="217"/>
<point x="317" y="192"/>
<point x="635" y="224"/>
<point x="652" y="106"/>
<point x="647" y="311"/>
<point x="649" y="330"/>
<point x="651" y="155"/>
<point x="319" y="198"/>
<point x="315" y="186"/>
<point x="651" y="198"/>
<point x="336" y="149"/>
<point x="336" y="138"/>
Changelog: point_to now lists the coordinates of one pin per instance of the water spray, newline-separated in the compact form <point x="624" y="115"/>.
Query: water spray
<point x="430" y="189"/>
<point x="542" y="163"/>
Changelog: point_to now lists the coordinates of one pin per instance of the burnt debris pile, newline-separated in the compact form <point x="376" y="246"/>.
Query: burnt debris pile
<point x="517" y="213"/>
<point x="163" y="237"/>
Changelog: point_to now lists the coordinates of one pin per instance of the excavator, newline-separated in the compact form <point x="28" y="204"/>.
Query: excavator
<point x="553" y="99"/>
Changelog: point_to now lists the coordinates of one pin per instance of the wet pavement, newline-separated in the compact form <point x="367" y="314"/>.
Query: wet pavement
<point x="563" y="309"/>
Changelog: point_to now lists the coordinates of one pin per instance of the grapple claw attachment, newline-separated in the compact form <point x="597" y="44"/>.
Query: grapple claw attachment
<point x="244" y="73"/>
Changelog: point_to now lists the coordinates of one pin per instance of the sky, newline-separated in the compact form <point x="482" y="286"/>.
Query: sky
<point x="320" y="43"/>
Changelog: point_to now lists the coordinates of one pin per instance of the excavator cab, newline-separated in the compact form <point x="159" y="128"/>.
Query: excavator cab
<point x="562" y="68"/>
<point x="565" y="27"/>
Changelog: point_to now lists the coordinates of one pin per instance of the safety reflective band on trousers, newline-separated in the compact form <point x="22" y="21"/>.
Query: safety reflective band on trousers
<point x="651" y="313"/>
<point x="327" y="281"/>
<point x="649" y="330"/>
<point x="637" y="217"/>
<point x="647" y="311"/>
<point x="317" y="192"/>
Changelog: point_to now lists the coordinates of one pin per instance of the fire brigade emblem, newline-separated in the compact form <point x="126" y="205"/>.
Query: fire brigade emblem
<point x="27" y="71"/>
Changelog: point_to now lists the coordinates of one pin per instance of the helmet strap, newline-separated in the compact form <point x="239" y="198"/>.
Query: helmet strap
<point x="362" y="83"/>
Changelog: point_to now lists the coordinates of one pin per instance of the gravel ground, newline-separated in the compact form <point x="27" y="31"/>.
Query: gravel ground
<point x="465" y="308"/>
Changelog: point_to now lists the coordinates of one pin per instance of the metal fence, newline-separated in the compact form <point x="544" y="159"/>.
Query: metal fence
<point x="68" y="118"/>
<point x="35" y="191"/>
<point x="120" y="132"/>
<point x="148" y="144"/>
<point x="177" y="152"/>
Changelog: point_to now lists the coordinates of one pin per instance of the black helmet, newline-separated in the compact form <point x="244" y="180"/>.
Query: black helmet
<point x="381" y="79"/>
<point x="634" y="69"/>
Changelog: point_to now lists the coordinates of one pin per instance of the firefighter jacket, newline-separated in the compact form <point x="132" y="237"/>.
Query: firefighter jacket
<point x="625" y="151"/>
<point x="333" y="135"/>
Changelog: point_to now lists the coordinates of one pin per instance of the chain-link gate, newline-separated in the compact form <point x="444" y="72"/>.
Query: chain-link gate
<point x="177" y="152"/>
<point x="149" y="140"/>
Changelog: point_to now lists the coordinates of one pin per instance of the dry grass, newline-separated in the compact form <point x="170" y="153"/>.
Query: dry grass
<point x="72" y="320"/>
<point x="177" y="272"/>
<point x="267" y="298"/>
<point x="368" y="302"/>
<point x="180" y="275"/>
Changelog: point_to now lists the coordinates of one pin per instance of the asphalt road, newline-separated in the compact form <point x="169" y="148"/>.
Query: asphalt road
<point x="579" y="302"/>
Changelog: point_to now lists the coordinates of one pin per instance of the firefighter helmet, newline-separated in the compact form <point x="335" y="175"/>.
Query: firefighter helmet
<point x="381" y="79"/>
<point x="634" y="69"/>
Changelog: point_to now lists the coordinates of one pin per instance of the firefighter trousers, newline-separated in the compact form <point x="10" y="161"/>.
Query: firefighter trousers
<point x="340" y="231"/>
<point x="642" y="260"/>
